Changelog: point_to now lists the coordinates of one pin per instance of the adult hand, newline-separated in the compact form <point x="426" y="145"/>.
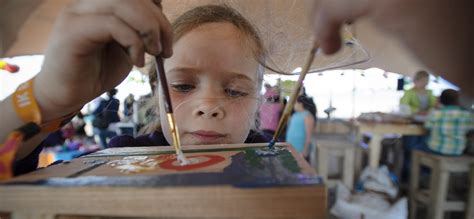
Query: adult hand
<point x="438" y="32"/>
<point x="93" y="46"/>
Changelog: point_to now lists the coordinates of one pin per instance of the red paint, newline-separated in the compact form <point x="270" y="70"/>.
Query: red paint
<point x="166" y="156"/>
<point x="213" y="159"/>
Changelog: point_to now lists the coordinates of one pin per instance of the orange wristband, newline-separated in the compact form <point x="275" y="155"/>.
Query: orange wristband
<point x="28" y="110"/>
<point x="25" y="103"/>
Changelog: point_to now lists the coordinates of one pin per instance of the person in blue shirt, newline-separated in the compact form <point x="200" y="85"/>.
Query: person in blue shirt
<point x="301" y="126"/>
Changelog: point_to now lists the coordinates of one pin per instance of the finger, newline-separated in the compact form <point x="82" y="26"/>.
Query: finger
<point x="329" y="16"/>
<point x="103" y="29"/>
<point x="134" y="13"/>
<point x="142" y="19"/>
<point x="327" y="33"/>
<point x="166" y="34"/>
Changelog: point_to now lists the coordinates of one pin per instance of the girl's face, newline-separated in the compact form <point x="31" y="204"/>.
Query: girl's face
<point x="213" y="85"/>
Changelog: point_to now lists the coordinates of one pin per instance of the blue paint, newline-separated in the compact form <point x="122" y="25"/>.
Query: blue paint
<point x="271" y="144"/>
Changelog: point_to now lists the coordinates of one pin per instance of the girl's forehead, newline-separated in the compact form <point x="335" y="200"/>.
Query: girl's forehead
<point x="214" y="48"/>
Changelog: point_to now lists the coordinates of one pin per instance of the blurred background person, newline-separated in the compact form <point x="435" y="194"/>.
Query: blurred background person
<point x="300" y="127"/>
<point x="105" y="116"/>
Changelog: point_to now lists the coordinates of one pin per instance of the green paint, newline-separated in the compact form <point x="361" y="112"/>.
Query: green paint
<point x="253" y="159"/>
<point x="285" y="156"/>
<point x="289" y="161"/>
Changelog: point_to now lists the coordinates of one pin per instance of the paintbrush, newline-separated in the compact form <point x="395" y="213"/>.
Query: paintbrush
<point x="294" y="95"/>
<point x="169" y="111"/>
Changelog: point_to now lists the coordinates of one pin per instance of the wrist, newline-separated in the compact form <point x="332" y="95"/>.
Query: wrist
<point x="49" y="108"/>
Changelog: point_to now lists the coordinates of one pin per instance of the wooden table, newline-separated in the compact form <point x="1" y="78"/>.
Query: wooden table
<point x="78" y="188"/>
<point x="378" y="130"/>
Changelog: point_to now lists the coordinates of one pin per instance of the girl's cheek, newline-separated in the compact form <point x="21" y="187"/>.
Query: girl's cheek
<point x="178" y="98"/>
<point x="243" y="109"/>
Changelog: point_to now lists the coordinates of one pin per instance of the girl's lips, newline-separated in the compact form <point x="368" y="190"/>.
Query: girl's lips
<point x="207" y="135"/>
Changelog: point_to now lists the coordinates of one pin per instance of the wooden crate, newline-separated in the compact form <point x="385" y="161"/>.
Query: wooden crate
<point x="232" y="183"/>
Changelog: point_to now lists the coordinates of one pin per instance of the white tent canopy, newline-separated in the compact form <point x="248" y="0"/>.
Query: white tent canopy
<point x="26" y="25"/>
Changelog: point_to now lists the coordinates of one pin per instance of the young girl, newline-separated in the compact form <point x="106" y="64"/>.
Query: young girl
<point x="214" y="78"/>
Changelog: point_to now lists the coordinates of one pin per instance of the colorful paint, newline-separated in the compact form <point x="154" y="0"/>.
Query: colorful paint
<point x="240" y="168"/>
<point x="197" y="161"/>
<point x="134" y="164"/>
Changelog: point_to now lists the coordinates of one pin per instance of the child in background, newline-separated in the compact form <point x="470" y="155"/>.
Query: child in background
<point x="417" y="102"/>
<point x="300" y="127"/>
<point x="214" y="77"/>
<point x="419" y="99"/>
<point x="449" y="125"/>
<point x="270" y="111"/>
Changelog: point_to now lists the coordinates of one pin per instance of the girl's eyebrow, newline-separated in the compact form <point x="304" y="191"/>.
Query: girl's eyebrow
<point x="240" y="76"/>
<point x="183" y="70"/>
<point x="232" y="75"/>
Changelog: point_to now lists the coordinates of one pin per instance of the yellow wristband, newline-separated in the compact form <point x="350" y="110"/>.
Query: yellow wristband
<point x="25" y="103"/>
<point x="28" y="110"/>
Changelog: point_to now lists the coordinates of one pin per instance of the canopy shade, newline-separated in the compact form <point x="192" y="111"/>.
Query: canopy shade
<point x="283" y="24"/>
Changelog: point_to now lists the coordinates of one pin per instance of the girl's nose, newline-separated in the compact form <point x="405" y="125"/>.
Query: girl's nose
<point x="210" y="109"/>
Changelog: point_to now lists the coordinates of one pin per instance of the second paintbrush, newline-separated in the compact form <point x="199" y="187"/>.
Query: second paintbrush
<point x="291" y="103"/>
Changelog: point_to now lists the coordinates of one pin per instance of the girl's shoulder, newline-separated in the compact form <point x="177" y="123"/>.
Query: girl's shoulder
<point x="158" y="139"/>
<point x="152" y="139"/>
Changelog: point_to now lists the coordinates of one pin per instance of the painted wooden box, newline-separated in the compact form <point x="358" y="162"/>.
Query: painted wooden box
<point x="223" y="181"/>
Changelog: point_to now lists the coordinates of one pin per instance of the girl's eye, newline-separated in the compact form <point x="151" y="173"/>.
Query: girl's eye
<point x="184" y="88"/>
<point x="235" y="93"/>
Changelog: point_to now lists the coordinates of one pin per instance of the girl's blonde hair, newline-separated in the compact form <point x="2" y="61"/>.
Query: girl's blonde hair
<point x="213" y="14"/>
